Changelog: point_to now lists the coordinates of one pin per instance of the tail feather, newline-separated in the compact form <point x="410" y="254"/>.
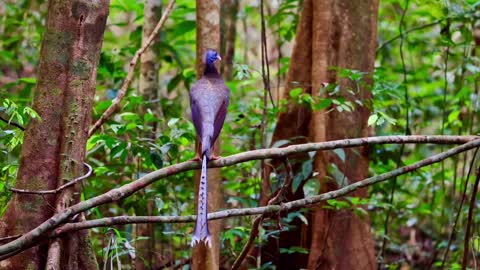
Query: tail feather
<point x="201" y="232"/>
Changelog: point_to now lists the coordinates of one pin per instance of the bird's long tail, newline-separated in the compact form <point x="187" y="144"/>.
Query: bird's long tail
<point x="201" y="232"/>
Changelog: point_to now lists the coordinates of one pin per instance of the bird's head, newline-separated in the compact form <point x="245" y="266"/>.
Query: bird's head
<point x="211" y="56"/>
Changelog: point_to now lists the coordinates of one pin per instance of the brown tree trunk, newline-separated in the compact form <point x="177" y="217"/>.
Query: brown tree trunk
<point x="148" y="89"/>
<point x="54" y="148"/>
<point x="208" y="36"/>
<point x="292" y="123"/>
<point x="331" y="34"/>
<point x="344" y="36"/>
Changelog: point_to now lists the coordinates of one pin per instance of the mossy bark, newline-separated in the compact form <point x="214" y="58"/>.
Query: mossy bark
<point x="54" y="147"/>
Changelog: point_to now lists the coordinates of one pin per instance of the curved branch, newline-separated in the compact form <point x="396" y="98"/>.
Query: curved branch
<point x="124" y="191"/>
<point x="60" y="188"/>
<point x="405" y="33"/>
<point x="131" y="71"/>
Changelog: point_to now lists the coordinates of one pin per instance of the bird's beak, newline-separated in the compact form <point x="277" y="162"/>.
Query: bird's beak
<point x="219" y="58"/>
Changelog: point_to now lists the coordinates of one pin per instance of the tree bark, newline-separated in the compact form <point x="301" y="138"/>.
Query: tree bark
<point x="208" y="36"/>
<point x="149" y="90"/>
<point x="54" y="147"/>
<point x="229" y="11"/>
<point x="331" y="34"/>
<point x="293" y="125"/>
<point x="344" y="36"/>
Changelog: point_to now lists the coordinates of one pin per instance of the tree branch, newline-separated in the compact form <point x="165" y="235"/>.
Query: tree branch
<point x="124" y="191"/>
<point x="11" y="123"/>
<point x="60" y="188"/>
<point x="473" y="199"/>
<point x="131" y="71"/>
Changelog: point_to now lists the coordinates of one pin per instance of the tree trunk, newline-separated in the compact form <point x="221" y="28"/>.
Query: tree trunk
<point x="148" y="89"/>
<point x="229" y="11"/>
<point x="208" y="36"/>
<point x="54" y="148"/>
<point x="331" y="34"/>
<point x="344" y="36"/>
<point x="150" y="64"/>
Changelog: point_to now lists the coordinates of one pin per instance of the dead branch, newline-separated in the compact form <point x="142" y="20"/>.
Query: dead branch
<point x="131" y="71"/>
<point x="31" y="238"/>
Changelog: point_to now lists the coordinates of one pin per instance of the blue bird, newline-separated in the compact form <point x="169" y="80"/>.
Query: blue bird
<point x="209" y="99"/>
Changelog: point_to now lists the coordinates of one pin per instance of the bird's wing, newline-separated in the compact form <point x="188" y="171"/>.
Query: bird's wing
<point x="220" y="116"/>
<point x="196" y="114"/>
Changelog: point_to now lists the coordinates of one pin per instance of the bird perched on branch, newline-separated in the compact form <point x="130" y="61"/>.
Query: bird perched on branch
<point x="209" y="99"/>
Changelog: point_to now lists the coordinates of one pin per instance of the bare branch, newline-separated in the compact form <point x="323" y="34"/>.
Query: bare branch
<point x="131" y="71"/>
<point x="7" y="238"/>
<point x="60" y="188"/>
<point x="32" y="236"/>
<point x="471" y="208"/>
<point x="11" y="123"/>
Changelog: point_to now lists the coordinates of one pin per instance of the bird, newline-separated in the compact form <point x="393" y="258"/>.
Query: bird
<point x="209" y="100"/>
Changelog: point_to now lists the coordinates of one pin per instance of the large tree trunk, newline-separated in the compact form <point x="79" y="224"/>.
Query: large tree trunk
<point x="208" y="36"/>
<point x="54" y="148"/>
<point x="148" y="89"/>
<point x="331" y="34"/>
<point x="344" y="36"/>
<point x="292" y="123"/>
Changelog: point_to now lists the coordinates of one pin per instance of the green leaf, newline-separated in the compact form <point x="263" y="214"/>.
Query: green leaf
<point x="311" y="187"/>
<point x="292" y="250"/>
<point x="28" y="80"/>
<point x="129" y="116"/>
<point x="280" y="143"/>
<point x="323" y="104"/>
<point x="159" y="203"/>
<point x="340" y="154"/>
<point x="171" y="123"/>
<point x="157" y="159"/>
<point x="372" y="119"/>
<point x="453" y="116"/>
<point x="295" y="92"/>
<point x="297" y="180"/>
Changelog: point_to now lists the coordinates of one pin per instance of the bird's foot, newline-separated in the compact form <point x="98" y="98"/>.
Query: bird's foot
<point x="207" y="240"/>
<point x="213" y="157"/>
<point x="196" y="158"/>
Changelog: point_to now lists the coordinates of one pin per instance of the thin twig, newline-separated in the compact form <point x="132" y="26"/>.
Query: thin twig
<point x="264" y="53"/>
<point x="462" y="201"/>
<point x="401" y="35"/>
<point x="444" y="107"/>
<point x="131" y="70"/>
<point x="12" y="237"/>
<point x="258" y="220"/>
<point x="251" y="239"/>
<point x="32" y="237"/>
<point x="402" y="147"/>
<point x="57" y="190"/>
<point x="11" y="123"/>
<point x="473" y="199"/>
